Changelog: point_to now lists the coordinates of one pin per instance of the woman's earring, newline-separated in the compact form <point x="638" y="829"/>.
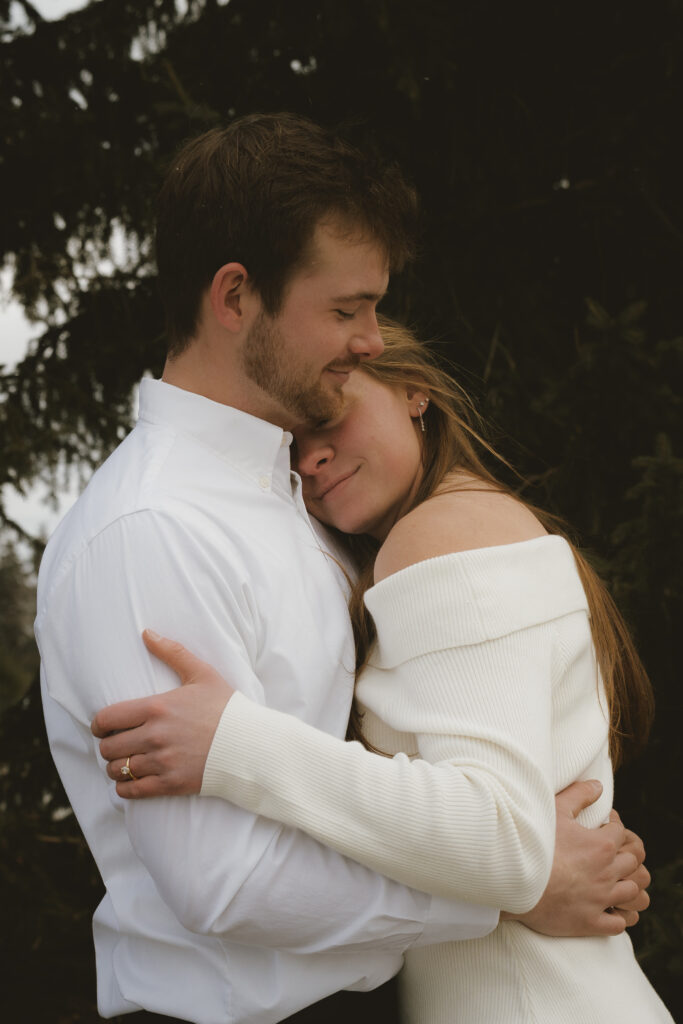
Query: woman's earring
<point x="420" y="407"/>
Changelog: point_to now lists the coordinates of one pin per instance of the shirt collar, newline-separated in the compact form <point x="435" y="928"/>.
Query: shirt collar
<point x="258" y="449"/>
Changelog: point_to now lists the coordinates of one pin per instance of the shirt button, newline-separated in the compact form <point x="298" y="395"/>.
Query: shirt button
<point x="264" y="483"/>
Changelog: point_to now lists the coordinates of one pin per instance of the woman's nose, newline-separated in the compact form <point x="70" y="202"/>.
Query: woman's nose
<point x="311" y="457"/>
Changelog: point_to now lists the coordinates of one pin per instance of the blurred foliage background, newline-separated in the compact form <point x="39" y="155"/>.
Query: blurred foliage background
<point x="544" y="140"/>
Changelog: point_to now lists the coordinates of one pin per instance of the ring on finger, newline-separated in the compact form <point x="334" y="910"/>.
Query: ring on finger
<point x="127" y="771"/>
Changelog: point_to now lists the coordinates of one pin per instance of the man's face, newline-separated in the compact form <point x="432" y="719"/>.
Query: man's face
<point x="301" y="357"/>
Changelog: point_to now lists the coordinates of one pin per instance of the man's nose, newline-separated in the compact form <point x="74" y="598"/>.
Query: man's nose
<point x="368" y="342"/>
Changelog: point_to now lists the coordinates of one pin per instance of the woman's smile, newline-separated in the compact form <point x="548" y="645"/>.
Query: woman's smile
<point x="376" y="432"/>
<point x="334" y="485"/>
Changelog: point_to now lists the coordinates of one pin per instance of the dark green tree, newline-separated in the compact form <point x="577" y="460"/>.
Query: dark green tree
<point x="18" y="656"/>
<point x="48" y="883"/>
<point x="543" y="140"/>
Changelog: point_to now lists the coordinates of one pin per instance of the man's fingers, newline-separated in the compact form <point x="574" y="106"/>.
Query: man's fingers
<point x="185" y="664"/>
<point x="609" y="923"/>
<point x="635" y="845"/>
<point x="625" y="865"/>
<point x="575" y="798"/>
<point x="639" y="904"/>
<point x="613" y="833"/>
<point x="623" y="893"/>
<point x="629" y="917"/>
<point x="641" y="876"/>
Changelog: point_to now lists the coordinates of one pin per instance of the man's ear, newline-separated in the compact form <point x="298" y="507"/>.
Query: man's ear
<point x="227" y="294"/>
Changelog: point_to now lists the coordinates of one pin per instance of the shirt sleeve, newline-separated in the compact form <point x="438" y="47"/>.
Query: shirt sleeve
<point x="474" y="817"/>
<point x="222" y="870"/>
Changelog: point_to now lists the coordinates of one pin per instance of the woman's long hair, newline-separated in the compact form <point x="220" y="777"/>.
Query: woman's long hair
<point x="454" y="440"/>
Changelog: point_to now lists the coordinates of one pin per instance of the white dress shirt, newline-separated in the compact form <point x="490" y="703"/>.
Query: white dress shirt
<point x="195" y="527"/>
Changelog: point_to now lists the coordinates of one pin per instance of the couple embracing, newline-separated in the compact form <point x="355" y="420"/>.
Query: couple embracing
<point x="300" y="458"/>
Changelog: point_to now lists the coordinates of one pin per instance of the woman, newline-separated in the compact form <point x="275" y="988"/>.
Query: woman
<point x="489" y="650"/>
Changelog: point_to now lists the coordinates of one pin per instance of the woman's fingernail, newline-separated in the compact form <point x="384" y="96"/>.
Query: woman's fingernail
<point x="152" y="635"/>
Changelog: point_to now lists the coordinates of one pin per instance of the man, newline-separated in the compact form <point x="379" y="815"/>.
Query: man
<point x="274" y="244"/>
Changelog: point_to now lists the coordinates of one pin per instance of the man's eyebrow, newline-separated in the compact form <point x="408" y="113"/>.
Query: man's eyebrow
<point x="358" y="296"/>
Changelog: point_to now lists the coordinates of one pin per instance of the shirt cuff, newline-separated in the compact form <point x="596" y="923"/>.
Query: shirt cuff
<point x="453" y="920"/>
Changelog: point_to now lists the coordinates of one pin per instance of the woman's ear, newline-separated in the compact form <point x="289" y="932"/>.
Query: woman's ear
<point x="227" y="294"/>
<point x="418" y="401"/>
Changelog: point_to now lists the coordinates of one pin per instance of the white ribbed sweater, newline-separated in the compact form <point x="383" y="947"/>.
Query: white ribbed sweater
<point x="484" y="669"/>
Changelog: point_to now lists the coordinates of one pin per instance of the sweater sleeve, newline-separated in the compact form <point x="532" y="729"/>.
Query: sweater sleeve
<point x="473" y="817"/>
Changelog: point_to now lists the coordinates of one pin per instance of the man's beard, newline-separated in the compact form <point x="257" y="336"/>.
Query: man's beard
<point x="265" y="364"/>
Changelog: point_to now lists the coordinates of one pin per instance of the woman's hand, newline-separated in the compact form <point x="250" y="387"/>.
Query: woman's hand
<point x="157" y="746"/>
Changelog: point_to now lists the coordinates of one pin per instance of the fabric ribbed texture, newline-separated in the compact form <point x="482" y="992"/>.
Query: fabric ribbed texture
<point x="485" y="668"/>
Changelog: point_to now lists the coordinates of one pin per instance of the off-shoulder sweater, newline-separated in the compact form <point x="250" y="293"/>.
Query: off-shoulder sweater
<point x="484" y="688"/>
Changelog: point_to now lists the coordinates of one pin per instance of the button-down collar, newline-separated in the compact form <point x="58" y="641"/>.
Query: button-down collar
<point x="256" y="448"/>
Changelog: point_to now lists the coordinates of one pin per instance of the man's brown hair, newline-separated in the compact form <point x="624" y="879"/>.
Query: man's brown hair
<point x="253" y="192"/>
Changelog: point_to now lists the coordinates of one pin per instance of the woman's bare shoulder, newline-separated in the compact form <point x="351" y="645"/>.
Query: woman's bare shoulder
<point x="465" y="515"/>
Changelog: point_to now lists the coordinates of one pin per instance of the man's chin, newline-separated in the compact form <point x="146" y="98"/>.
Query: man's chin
<point x="322" y="403"/>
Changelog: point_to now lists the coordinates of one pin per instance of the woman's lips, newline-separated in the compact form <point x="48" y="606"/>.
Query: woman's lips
<point x="337" y="483"/>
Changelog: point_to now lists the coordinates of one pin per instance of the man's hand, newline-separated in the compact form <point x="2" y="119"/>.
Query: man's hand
<point x="162" y="742"/>
<point x="597" y="884"/>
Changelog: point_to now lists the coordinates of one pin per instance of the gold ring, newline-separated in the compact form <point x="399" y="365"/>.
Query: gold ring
<point x="127" y="771"/>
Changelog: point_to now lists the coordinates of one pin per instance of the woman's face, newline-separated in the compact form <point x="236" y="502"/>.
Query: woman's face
<point x="361" y="470"/>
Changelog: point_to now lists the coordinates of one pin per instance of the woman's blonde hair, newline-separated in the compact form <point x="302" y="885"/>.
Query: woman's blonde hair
<point x="454" y="440"/>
